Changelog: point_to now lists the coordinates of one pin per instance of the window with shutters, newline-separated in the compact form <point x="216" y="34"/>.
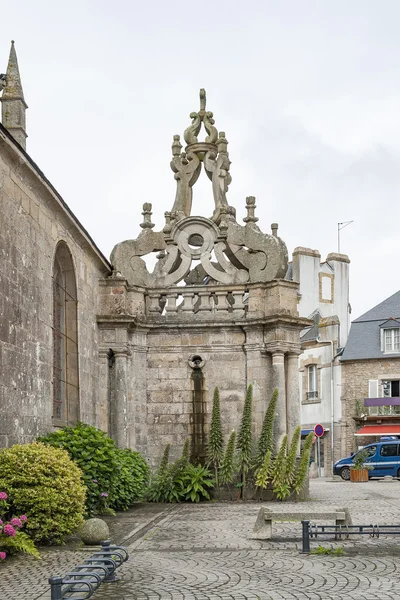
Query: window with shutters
<point x="65" y="339"/>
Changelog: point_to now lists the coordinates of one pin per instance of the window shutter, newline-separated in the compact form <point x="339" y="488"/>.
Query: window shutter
<point x="373" y="388"/>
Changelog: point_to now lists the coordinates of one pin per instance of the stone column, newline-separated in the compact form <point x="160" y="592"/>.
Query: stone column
<point x="292" y="393"/>
<point x="256" y="373"/>
<point x="279" y="381"/>
<point x="119" y="413"/>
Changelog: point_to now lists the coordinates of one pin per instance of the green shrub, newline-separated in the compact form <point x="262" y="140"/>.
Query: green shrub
<point x="132" y="478"/>
<point x="95" y="453"/>
<point x="44" y="484"/>
<point x="114" y="478"/>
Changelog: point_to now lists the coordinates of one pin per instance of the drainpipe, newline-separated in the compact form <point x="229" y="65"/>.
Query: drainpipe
<point x="332" y="392"/>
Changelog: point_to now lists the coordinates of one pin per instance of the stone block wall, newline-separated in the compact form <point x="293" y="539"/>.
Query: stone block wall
<point x="355" y="378"/>
<point x="34" y="220"/>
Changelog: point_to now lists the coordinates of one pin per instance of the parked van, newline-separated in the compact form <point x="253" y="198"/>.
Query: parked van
<point x="383" y="457"/>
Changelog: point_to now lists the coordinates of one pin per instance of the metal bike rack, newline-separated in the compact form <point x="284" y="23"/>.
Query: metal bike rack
<point x="311" y="530"/>
<point x="86" y="578"/>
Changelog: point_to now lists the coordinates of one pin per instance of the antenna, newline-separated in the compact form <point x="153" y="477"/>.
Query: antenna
<point x="341" y="226"/>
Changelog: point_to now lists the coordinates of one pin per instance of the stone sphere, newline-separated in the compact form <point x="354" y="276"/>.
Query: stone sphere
<point x="94" y="531"/>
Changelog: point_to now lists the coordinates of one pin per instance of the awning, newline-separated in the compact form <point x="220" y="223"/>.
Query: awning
<point x="379" y="430"/>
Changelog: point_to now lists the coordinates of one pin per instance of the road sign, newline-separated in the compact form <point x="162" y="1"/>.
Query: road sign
<point x="319" y="430"/>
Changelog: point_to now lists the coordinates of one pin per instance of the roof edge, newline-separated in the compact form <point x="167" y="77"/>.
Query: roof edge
<point x="16" y="147"/>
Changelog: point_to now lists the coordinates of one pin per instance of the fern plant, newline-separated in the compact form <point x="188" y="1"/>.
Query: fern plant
<point x="195" y="481"/>
<point x="244" y="440"/>
<point x="215" y="445"/>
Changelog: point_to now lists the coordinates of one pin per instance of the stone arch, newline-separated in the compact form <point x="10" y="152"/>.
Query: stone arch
<point x="65" y="339"/>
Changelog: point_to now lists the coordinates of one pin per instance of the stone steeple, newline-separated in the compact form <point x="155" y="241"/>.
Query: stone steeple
<point x="13" y="102"/>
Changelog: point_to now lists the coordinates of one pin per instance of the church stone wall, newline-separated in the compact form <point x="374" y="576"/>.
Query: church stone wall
<point x="33" y="221"/>
<point x="170" y="384"/>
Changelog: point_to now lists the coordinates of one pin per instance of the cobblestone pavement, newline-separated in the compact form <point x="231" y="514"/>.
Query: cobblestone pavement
<point x="204" y="552"/>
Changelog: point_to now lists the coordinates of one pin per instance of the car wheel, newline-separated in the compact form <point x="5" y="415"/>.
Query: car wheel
<point x="345" y="473"/>
<point x="398" y="473"/>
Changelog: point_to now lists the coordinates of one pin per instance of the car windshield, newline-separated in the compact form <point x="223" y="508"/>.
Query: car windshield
<point x="371" y="450"/>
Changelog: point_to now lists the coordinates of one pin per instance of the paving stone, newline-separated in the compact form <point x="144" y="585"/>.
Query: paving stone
<point x="204" y="552"/>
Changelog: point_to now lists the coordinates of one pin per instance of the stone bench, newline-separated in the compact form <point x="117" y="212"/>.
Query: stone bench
<point x="263" y="526"/>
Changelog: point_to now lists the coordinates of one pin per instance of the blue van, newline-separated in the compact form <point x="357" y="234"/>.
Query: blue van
<point x="383" y="457"/>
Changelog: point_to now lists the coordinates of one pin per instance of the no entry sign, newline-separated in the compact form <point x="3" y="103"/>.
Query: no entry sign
<point x="319" y="430"/>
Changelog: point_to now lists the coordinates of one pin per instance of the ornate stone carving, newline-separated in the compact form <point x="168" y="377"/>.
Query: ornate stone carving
<point x="196" y="249"/>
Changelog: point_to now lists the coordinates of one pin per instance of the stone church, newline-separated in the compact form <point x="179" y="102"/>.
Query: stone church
<point x="138" y="352"/>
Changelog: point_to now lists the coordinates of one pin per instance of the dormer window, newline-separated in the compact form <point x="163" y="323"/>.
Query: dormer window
<point x="391" y="340"/>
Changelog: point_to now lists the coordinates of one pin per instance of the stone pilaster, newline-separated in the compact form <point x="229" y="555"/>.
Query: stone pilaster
<point x="292" y="393"/>
<point x="256" y="373"/>
<point x="279" y="381"/>
<point x="119" y="406"/>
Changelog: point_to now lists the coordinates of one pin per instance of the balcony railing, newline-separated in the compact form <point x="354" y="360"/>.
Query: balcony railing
<point x="205" y="301"/>
<point x="371" y="407"/>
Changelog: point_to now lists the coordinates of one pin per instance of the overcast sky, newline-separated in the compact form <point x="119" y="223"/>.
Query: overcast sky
<point x="308" y="93"/>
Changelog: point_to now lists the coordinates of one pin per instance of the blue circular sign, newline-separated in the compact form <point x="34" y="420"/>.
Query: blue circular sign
<point x="319" y="430"/>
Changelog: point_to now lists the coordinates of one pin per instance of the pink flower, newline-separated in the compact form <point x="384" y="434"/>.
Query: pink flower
<point x="24" y="518"/>
<point x="16" y="522"/>
<point x="9" y="530"/>
<point x="95" y="481"/>
<point x="1" y="522"/>
<point x="3" y="556"/>
<point x="3" y="496"/>
<point x="104" y="494"/>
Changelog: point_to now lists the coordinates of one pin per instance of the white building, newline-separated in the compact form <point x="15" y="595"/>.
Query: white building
<point x="323" y="297"/>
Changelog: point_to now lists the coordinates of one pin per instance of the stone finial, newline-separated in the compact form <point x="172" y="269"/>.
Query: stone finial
<point x="176" y="146"/>
<point x="13" y="101"/>
<point x="167" y="227"/>
<point x="205" y="117"/>
<point x="203" y="100"/>
<point x="147" y="224"/>
<point x="274" y="229"/>
<point x="250" y="207"/>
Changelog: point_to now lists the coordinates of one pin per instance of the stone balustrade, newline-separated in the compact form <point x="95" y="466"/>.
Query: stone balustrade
<point x="205" y="302"/>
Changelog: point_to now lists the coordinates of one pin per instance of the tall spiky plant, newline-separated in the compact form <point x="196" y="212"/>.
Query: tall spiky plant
<point x="244" y="440"/>
<point x="266" y="441"/>
<point x="302" y="469"/>
<point x="186" y="452"/>
<point x="264" y="472"/>
<point x="281" y="487"/>
<point x="215" y="445"/>
<point x="291" y="456"/>
<point x="227" y="467"/>
<point x="164" y="461"/>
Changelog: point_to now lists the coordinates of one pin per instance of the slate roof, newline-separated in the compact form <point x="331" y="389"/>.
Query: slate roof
<point x="364" y="339"/>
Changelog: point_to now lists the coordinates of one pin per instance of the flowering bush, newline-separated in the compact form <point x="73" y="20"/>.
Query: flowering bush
<point x="114" y="478"/>
<point x="44" y="486"/>
<point x="12" y="539"/>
